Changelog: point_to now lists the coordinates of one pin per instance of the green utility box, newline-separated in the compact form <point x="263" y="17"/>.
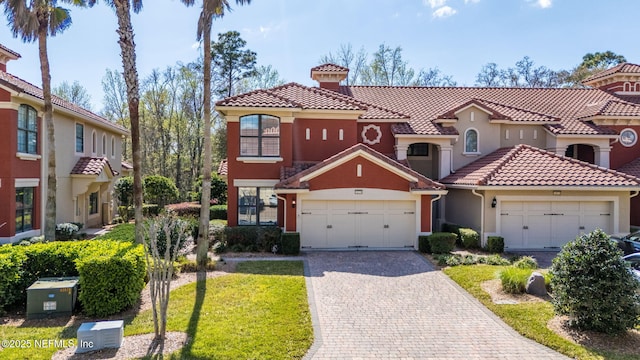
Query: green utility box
<point x="52" y="297"/>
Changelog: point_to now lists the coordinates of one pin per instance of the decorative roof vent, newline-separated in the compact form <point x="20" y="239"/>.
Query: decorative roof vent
<point x="622" y="79"/>
<point x="7" y="55"/>
<point x="329" y="75"/>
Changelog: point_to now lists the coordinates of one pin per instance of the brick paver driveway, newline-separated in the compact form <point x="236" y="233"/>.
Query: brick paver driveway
<point x="393" y="305"/>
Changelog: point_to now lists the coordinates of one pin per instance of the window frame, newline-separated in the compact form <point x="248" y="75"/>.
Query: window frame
<point x="256" y="206"/>
<point x="260" y="136"/>
<point x="113" y="147"/>
<point x="466" y="137"/>
<point x="79" y="140"/>
<point x="24" y="132"/>
<point x="412" y="150"/>
<point x="94" y="209"/>
<point x="104" y="145"/>
<point x="94" y="143"/>
<point x="21" y="212"/>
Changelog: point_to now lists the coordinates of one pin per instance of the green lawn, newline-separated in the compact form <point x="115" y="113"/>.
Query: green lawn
<point x="260" y="312"/>
<point x="529" y="319"/>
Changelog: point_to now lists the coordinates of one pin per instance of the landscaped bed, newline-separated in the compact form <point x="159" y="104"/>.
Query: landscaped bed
<point x="260" y="311"/>
<point x="536" y="320"/>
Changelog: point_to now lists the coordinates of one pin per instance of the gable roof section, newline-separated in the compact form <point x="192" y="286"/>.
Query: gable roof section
<point x="92" y="166"/>
<point x="306" y="172"/>
<point x="525" y="165"/>
<point x="620" y="69"/>
<point x="609" y="108"/>
<point x="556" y="108"/>
<point x="296" y="96"/>
<point x="328" y="67"/>
<point x="22" y="86"/>
<point x="631" y="168"/>
<point x="497" y="111"/>
<point x="10" y="52"/>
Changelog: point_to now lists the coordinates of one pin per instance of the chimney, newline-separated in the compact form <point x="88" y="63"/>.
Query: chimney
<point x="329" y="76"/>
<point x="7" y="55"/>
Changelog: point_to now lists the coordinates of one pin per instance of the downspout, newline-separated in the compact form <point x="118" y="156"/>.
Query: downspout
<point x="634" y="195"/>
<point x="432" y="201"/>
<point x="285" y="211"/>
<point x="481" y="215"/>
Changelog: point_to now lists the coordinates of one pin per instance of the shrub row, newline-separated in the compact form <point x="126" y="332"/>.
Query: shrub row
<point x="455" y="260"/>
<point x="107" y="269"/>
<point x="437" y="243"/>
<point x="193" y="209"/>
<point x="495" y="244"/>
<point x="470" y="238"/>
<point x="250" y="238"/>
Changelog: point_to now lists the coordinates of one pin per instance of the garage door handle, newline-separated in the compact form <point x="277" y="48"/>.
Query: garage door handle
<point x="581" y="228"/>
<point x="525" y="227"/>
<point x="329" y="226"/>
<point x="386" y="226"/>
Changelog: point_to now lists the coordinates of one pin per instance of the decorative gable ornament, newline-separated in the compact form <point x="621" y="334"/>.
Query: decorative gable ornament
<point x="375" y="128"/>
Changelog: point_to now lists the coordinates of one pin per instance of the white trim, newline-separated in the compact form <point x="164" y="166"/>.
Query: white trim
<point x="535" y="134"/>
<point x="635" y="137"/>
<point x="104" y="145"/>
<point x="521" y="134"/>
<point x="291" y="191"/>
<point x="75" y="138"/>
<point x="353" y="155"/>
<point x="544" y="187"/>
<point x="29" y="157"/>
<point x="94" y="143"/>
<point x="258" y="159"/>
<point x="307" y="134"/>
<point x="29" y="182"/>
<point x="254" y="182"/>
<point x="113" y="147"/>
<point x="375" y="128"/>
<point x="359" y="170"/>
<point x="341" y="134"/>
<point x="475" y="105"/>
<point x="464" y="144"/>
<point x="506" y="134"/>
<point x="324" y="134"/>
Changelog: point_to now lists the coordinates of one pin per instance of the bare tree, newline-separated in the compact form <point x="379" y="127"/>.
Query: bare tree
<point x="74" y="93"/>
<point x="345" y="56"/>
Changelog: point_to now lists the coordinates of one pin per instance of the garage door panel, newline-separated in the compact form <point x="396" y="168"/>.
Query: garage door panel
<point x="349" y="223"/>
<point x="540" y="224"/>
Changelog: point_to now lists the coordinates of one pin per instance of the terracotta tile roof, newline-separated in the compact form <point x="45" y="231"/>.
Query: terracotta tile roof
<point x="624" y="68"/>
<point x="2" y="47"/>
<point x="290" y="177"/>
<point x="630" y="98"/>
<point x="329" y="68"/>
<point x="609" y="107"/>
<point x="92" y="166"/>
<point x="23" y="86"/>
<point x="425" y="104"/>
<point x="525" y="165"/>
<point x="294" y="95"/>
<point x="223" y="167"/>
<point x="631" y="168"/>
<point x="126" y="166"/>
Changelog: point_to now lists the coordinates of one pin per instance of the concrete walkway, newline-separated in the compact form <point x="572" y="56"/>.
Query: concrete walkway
<point x="393" y="305"/>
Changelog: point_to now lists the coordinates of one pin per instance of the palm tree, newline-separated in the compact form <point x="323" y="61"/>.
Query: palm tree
<point x="128" y="54"/>
<point x="210" y="9"/>
<point x="33" y="20"/>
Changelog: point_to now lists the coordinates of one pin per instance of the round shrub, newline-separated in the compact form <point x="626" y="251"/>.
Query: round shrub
<point x="159" y="190"/>
<point x="593" y="286"/>
<point x="526" y="262"/>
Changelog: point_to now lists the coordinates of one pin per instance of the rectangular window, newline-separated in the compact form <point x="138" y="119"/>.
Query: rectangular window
<point x="24" y="209"/>
<point x="257" y="206"/>
<point x="79" y="138"/>
<point x="27" y="130"/>
<point x="93" y="203"/>
<point x="419" y="149"/>
<point x="259" y="135"/>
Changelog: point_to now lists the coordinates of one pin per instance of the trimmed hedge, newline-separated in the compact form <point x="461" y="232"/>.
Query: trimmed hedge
<point x="469" y="238"/>
<point x="423" y="244"/>
<point x="453" y="228"/>
<point x="495" y="244"/>
<point x="112" y="279"/>
<point x="290" y="243"/>
<point x="442" y="243"/>
<point x="193" y="209"/>
<point x="21" y="266"/>
<point x="218" y="212"/>
<point x="251" y="238"/>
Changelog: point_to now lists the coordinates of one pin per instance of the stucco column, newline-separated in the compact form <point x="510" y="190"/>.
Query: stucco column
<point x="559" y="150"/>
<point x="602" y="156"/>
<point x="401" y="151"/>
<point x="446" y="152"/>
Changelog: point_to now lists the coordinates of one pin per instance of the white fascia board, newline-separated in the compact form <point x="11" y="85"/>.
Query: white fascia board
<point x="255" y="182"/>
<point x="430" y="192"/>
<point x="291" y="191"/>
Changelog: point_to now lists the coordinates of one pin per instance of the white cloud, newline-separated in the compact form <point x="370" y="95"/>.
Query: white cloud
<point x="471" y="1"/>
<point x="264" y="31"/>
<point x="195" y="45"/>
<point x="544" y="4"/>
<point x="435" y="3"/>
<point x="444" y="12"/>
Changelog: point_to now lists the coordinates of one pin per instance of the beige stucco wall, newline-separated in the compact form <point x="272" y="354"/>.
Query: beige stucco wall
<point x="488" y="136"/>
<point x="533" y="135"/>
<point x="462" y="208"/>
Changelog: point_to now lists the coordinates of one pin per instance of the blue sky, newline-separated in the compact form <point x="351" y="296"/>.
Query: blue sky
<point x="456" y="36"/>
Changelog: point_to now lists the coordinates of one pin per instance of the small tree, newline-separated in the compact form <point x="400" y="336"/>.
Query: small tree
<point x="159" y="190"/>
<point x="160" y="266"/>
<point x="218" y="189"/>
<point x="593" y="286"/>
<point x="124" y="191"/>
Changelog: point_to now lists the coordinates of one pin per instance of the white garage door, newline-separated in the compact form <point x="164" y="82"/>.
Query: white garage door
<point x="546" y="224"/>
<point x="352" y="224"/>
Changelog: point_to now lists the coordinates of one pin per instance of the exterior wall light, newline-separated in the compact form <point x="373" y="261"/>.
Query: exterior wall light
<point x="494" y="202"/>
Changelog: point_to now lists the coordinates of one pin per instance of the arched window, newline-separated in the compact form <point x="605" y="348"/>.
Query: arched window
<point x="94" y="142"/>
<point x="113" y="147"/>
<point x="104" y="145"/>
<point x="259" y="135"/>
<point x="471" y="141"/>
<point x="27" y="130"/>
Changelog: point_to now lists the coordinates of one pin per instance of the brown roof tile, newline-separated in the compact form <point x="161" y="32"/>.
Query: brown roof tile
<point x="20" y="85"/>
<point x="91" y="166"/>
<point x="126" y="166"/>
<point x="2" y="47"/>
<point x="290" y="177"/>
<point x="223" y="167"/>
<point x="610" y="107"/>
<point x="631" y="168"/>
<point x="525" y="165"/>
<point x="329" y="68"/>
<point x="624" y="68"/>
